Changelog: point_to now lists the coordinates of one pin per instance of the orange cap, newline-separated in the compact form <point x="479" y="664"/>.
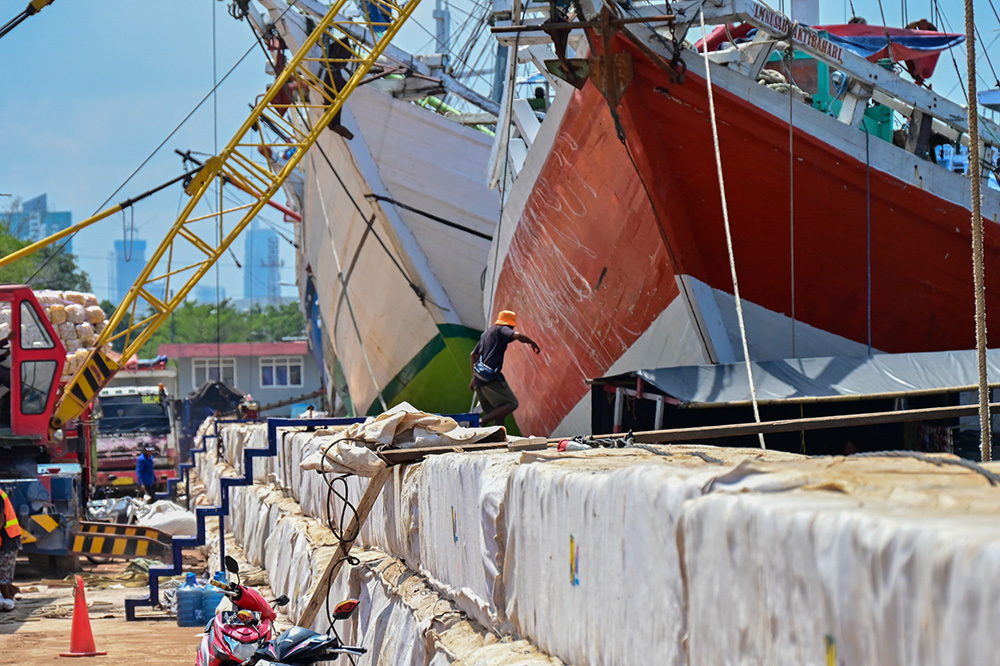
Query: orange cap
<point x="507" y="318"/>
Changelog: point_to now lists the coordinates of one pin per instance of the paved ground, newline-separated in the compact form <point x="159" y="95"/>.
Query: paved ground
<point x="39" y="628"/>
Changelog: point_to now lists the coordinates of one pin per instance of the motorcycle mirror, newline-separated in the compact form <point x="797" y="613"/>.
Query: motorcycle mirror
<point x="282" y="600"/>
<point x="344" y="609"/>
<point x="232" y="566"/>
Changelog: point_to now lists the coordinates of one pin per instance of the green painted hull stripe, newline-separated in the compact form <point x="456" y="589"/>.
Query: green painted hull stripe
<point x="422" y="359"/>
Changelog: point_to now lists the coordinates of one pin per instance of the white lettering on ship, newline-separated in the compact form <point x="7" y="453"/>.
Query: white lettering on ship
<point x="802" y="34"/>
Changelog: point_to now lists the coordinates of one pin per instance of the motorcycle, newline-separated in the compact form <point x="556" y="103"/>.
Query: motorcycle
<point x="299" y="646"/>
<point x="233" y="636"/>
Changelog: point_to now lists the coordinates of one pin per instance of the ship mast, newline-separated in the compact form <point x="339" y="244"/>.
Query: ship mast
<point x="805" y="12"/>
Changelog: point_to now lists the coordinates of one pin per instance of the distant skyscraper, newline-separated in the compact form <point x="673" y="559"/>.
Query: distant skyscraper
<point x="206" y="293"/>
<point x="129" y="260"/>
<point x="261" y="269"/>
<point x="35" y="221"/>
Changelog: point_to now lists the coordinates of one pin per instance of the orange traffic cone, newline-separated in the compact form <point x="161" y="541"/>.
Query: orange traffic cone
<point x="81" y="639"/>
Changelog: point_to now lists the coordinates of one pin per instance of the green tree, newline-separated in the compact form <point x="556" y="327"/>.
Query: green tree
<point x="205" y="322"/>
<point x="109" y="309"/>
<point x="58" y="270"/>
<point x="267" y="324"/>
<point x="22" y="269"/>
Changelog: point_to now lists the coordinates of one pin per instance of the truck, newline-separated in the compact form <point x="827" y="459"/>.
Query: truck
<point x="128" y="418"/>
<point x="48" y="421"/>
<point x="46" y="475"/>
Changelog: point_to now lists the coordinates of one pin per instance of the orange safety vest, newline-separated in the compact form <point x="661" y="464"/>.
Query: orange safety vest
<point x="10" y="524"/>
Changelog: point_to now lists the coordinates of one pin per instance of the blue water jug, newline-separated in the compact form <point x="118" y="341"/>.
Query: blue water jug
<point x="211" y="596"/>
<point x="189" y="613"/>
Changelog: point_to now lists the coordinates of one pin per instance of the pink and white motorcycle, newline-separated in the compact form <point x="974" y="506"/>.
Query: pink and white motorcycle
<point x="233" y="636"/>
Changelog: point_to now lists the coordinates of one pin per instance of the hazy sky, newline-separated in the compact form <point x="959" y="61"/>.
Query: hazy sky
<point x="90" y="89"/>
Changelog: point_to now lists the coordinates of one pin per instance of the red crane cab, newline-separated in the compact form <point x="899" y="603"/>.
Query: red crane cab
<point x="31" y="363"/>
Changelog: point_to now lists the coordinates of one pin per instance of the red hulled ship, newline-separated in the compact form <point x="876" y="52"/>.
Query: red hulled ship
<point x="848" y="238"/>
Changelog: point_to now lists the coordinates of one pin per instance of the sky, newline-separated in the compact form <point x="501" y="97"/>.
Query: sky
<point x="89" y="90"/>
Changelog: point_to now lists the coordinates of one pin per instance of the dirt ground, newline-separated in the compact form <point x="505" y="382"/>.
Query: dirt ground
<point x="40" y="626"/>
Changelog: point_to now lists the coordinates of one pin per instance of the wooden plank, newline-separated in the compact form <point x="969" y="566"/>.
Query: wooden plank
<point x="796" y="425"/>
<point x="364" y="507"/>
<point x="400" y="456"/>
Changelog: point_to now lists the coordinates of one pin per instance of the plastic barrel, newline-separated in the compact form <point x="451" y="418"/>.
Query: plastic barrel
<point x="211" y="596"/>
<point x="189" y="613"/>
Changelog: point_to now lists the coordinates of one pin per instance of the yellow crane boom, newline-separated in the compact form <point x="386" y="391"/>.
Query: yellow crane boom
<point x="33" y="8"/>
<point x="164" y="283"/>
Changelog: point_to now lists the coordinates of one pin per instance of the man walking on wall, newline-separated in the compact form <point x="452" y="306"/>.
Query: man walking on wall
<point x="496" y="397"/>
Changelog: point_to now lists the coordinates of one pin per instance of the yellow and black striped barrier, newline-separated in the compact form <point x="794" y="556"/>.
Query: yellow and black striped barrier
<point x="121" y="541"/>
<point x="40" y="524"/>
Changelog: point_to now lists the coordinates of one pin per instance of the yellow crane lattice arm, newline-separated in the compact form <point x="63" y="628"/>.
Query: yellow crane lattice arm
<point x="335" y="51"/>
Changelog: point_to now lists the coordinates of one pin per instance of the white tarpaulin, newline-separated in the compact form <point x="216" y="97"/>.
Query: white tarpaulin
<point x="460" y="499"/>
<point x="351" y="450"/>
<point x="679" y="555"/>
<point x="788" y="379"/>
<point x="772" y="576"/>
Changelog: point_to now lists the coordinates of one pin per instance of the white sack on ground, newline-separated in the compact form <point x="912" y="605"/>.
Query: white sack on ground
<point x="174" y="523"/>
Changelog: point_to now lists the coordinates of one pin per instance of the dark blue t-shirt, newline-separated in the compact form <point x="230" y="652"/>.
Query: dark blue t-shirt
<point x="490" y="350"/>
<point x="144" y="471"/>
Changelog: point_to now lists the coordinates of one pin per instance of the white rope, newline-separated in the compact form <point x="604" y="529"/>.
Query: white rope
<point x="791" y="183"/>
<point x="343" y="285"/>
<point x="979" y="278"/>
<point x="729" y="236"/>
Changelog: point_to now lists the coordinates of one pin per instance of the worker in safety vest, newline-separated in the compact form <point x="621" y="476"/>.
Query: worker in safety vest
<point x="10" y="543"/>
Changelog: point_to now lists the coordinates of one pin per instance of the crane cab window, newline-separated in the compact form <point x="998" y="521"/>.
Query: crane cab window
<point x="37" y="378"/>
<point x="33" y="333"/>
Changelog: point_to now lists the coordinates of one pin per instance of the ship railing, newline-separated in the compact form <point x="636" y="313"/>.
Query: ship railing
<point x="867" y="80"/>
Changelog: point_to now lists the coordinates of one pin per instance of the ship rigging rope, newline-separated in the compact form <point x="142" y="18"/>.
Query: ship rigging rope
<point x="218" y="192"/>
<point x="675" y="264"/>
<point x="934" y="460"/>
<point x="888" y="38"/>
<point x="978" y="271"/>
<point x="786" y="61"/>
<point x="508" y="121"/>
<point x="868" y="229"/>
<point x="346" y="296"/>
<point x="305" y="121"/>
<point x="943" y="21"/>
<point x="729" y="235"/>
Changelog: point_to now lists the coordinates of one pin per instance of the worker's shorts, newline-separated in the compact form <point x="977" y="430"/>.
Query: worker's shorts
<point x="496" y="394"/>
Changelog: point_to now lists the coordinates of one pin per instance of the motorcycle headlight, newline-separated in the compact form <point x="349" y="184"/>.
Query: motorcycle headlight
<point x="241" y="651"/>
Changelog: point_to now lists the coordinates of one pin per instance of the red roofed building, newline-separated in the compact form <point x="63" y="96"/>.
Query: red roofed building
<point x="272" y="371"/>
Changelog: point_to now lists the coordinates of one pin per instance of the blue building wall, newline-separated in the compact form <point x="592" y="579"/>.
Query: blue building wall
<point x="262" y="266"/>
<point x="129" y="260"/>
<point x="35" y="221"/>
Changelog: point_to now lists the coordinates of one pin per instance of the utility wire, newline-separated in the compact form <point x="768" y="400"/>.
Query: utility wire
<point x="69" y="239"/>
<point x="413" y="285"/>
